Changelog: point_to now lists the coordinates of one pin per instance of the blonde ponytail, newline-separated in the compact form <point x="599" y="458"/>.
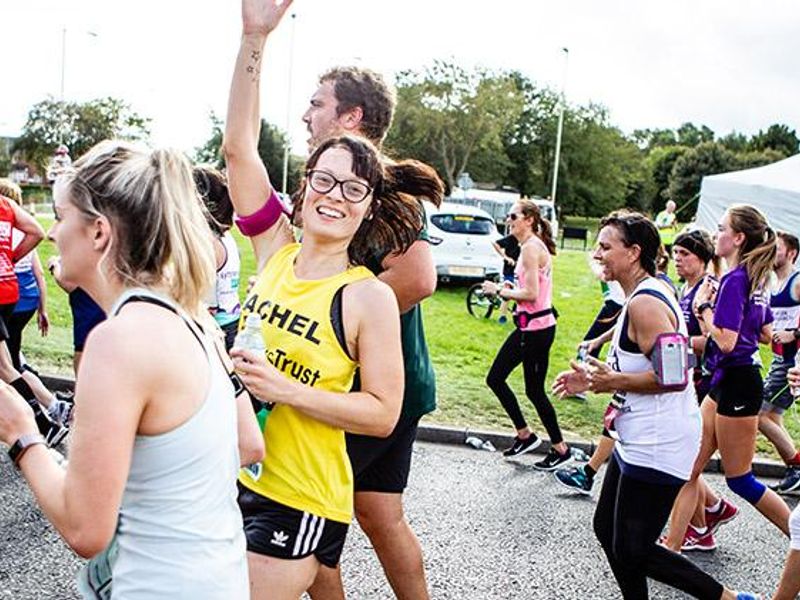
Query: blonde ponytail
<point x="160" y="237"/>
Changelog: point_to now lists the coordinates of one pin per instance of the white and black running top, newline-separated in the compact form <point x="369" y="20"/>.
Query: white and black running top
<point x="658" y="432"/>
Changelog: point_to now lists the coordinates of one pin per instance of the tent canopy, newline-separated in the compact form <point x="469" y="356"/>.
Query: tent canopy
<point x="774" y="189"/>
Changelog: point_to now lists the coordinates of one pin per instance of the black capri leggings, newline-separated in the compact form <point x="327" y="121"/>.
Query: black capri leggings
<point x="16" y="324"/>
<point x="629" y="518"/>
<point x="532" y="349"/>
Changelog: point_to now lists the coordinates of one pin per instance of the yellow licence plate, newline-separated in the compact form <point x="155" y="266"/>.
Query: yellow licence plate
<point x="466" y="271"/>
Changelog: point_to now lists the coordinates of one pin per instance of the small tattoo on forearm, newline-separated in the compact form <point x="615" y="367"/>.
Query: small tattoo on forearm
<point x="255" y="55"/>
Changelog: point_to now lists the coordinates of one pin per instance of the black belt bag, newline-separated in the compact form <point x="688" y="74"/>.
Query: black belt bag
<point x="522" y="318"/>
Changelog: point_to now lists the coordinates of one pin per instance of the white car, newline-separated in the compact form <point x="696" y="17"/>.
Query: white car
<point x="462" y="239"/>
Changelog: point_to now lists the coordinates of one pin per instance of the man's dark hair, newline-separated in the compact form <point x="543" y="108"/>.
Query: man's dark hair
<point x="358" y="87"/>
<point x="790" y="241"/>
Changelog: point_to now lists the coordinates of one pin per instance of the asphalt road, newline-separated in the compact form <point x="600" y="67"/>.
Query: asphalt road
<point x="490" y="529"/>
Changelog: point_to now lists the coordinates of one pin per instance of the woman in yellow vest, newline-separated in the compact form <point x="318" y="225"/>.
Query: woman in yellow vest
<point x="324" y="316"/>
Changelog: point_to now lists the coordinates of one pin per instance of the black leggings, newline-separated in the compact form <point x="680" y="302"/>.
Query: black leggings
<point x="532" y="349"/>
<point x="629" y="518"/>
<point x="16" y="324"/>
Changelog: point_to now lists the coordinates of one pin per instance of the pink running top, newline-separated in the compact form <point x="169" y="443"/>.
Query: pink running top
<point x="545" y="298"/>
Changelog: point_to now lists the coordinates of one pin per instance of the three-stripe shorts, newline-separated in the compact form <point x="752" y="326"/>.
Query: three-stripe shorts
<point x="274" y="529"/>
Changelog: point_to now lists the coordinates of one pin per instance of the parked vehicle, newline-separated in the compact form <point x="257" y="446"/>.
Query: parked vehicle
<point x="498" y="204"/>
<point x="462" y="239"/>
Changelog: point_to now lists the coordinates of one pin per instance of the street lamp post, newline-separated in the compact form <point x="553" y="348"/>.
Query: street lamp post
<point x="288" y="108"/>
<point x="562" y="102"/>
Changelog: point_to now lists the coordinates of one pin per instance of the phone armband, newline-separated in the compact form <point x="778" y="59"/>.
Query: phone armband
<point x="673" y="360"/>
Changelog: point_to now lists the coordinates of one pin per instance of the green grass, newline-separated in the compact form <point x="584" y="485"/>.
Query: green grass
<point x="462" y="348"/>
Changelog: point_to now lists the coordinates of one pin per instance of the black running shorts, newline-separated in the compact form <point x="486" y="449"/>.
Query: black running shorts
<point x="740" y="391"/>
<point x="383" y="464"/>
<point x="273" y="529"/>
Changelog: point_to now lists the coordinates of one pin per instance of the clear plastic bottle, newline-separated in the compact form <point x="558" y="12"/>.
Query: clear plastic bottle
<point x="251" y="338"/>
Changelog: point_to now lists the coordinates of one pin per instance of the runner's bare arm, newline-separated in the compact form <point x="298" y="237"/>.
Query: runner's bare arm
<point x="248" y="181"/>
<point x="411" y="275"/>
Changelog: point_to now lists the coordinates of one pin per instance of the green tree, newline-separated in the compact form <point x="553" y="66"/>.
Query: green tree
<point x="658" y="165"/>
<point x="79" y="125"/>
<point x="777" y="137"/>
<point x="210" y="153"/>
<point x="454" y="119"/>
<point x="272" y="143"/>
<point x="689" y="169"/>
<point x="735" y="141"/>
<point x="758" y="158"/>
<point x="647" y="139"/>
<point x="691" y="135"/>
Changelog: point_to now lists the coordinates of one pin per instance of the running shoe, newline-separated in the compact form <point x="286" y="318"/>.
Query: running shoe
<point x="748" y="596"/>
<point x="576" y="479"/>
<point x="521" y="446"/>
<point x="55" y="434"/>
<point x="790" y="483"/>
<point x="553" y="460"/>
<point x="726" y="513"/>
<point x="702" y="542"/>
<point x="60" y="411"/>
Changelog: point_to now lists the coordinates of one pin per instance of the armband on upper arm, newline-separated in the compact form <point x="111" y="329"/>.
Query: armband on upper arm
<point x="264" y="218"/>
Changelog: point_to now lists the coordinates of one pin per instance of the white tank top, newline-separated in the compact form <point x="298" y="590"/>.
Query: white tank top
<point x="224" y="300"/>
<point x="180" y="531"/>
<point x="656" y="431"/>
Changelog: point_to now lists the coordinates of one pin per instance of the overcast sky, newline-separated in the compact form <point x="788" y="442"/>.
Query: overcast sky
<point x="728" y="64"/>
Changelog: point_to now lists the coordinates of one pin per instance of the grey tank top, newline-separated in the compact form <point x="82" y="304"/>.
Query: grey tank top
<point x="180" y="531"/>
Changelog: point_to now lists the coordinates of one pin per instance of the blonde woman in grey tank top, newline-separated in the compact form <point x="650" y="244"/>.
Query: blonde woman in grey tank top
<point x="158" y="435"/>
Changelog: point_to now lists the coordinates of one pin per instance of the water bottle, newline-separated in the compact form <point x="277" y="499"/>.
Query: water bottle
<point x="473" y="441"/>
<point x="579" y="455"/>
<point x="250" y="338"/>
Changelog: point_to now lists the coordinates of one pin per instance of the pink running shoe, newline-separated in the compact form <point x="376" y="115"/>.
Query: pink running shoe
<point x="726" y="513"/>
<point x="703" y="542"/>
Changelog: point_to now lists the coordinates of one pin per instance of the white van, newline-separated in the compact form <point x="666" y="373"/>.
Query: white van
<point x="462" y="239"/>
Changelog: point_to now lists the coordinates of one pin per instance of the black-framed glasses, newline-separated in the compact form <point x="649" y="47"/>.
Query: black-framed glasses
<point x="322" y="182"/>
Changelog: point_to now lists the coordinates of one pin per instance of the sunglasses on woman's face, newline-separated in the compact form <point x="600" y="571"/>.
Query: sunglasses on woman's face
<point x="514" y="216"/>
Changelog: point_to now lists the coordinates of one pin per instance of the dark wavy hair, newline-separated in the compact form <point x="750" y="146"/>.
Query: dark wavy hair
<point x="367" y="90"/>
<point x="636" y="230"/>
<point x="212" y="187"/>
<point x="396" y="217"/>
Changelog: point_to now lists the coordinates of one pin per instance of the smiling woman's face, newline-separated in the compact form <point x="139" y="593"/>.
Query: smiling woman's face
<point x="330" y="214"/>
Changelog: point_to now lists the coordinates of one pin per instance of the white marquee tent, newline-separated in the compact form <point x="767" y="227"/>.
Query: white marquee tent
<point x="774" y="189"/>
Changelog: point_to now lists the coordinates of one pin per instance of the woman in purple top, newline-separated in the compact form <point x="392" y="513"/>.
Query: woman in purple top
<point x="693" y="252"/>
<point x="735" y="321"/>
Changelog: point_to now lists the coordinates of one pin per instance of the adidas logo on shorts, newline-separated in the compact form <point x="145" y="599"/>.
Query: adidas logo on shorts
<point x="279" y="538"/>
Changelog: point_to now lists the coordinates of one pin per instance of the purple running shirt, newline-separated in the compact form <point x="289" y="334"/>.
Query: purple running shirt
<point x="737" y="310"/>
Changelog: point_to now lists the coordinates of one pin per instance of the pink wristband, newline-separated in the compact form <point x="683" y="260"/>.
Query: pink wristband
<point x="264" y="218"/>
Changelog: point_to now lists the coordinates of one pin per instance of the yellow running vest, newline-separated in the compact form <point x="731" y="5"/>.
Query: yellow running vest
<point x="306" y="466"/>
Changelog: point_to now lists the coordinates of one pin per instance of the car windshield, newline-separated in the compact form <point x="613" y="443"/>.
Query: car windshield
<point x="463" y="224"/>
<point x="546" y="211"/>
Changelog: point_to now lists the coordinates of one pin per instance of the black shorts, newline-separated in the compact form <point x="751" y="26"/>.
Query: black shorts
<point x="383" y="464"/>
<point x="739" y="393"/>
<point x="6" y="310"/>
<point x="273" y="529"/>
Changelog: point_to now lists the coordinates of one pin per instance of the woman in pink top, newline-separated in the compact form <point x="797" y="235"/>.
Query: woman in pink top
<point x="533" y="336"/>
